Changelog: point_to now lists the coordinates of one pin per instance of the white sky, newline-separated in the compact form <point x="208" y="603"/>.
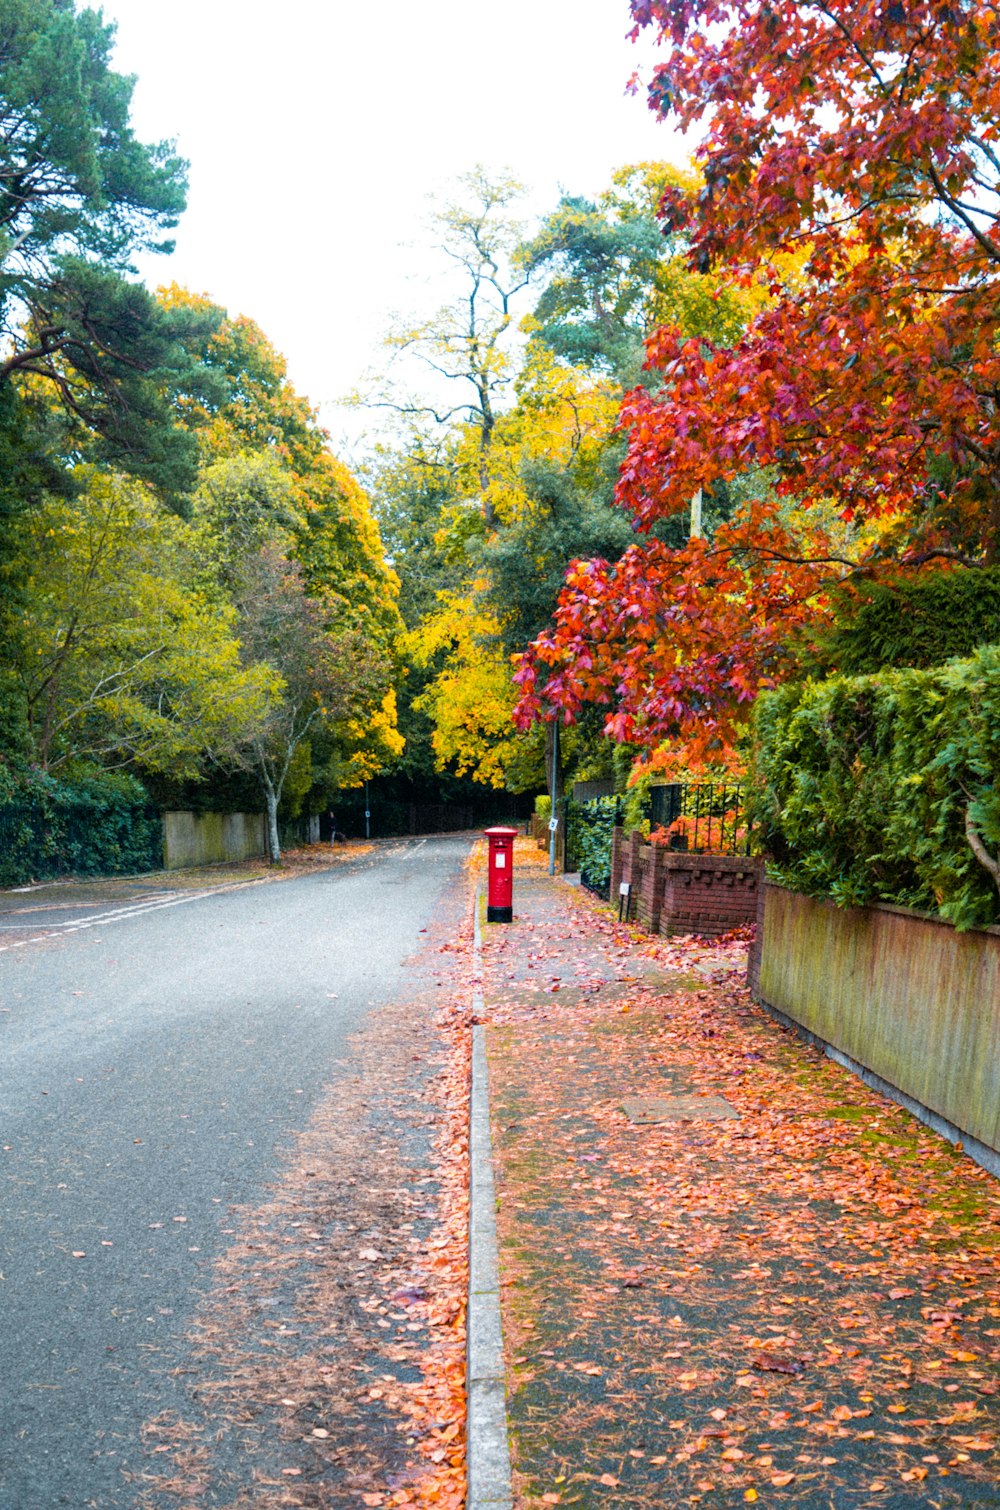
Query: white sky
<point x="318" y="132"/>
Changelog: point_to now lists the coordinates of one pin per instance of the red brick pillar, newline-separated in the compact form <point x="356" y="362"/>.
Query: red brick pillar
<point x="617" y="862"/>
<point x="654" y="880"/>
<point x="635" y="873"/>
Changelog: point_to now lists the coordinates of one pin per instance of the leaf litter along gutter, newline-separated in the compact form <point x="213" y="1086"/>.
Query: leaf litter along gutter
<point x="296" y="1391"/>
<point x="488" y="1448"/>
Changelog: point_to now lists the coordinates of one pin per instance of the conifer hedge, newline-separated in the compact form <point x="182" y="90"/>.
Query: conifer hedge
<point x="879" y="788"/>
<point x="919" y="621"/>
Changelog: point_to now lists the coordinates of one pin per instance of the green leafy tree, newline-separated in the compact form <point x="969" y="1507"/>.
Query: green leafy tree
<point x="465" y="348"/>
<point x="120" y="661"/>
<point x="325" y="676"/>
<point x="609" y="276"/>
<point x="270" y="483"/>
<point x="486" y="516"/>
<point x="79" y="197"/>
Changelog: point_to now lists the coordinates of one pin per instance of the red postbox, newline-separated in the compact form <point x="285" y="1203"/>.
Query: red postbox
<point x="500" y="875"/>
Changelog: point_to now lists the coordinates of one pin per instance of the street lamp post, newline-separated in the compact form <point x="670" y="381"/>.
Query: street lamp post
<point x="553" y="815"/>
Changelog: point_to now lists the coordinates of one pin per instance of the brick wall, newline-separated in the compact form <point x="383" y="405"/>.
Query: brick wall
<point x="708" y="894"/>
<point x="683" y="893"/>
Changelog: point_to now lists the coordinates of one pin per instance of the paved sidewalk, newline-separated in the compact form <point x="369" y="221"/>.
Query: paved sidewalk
<point x="730" y="1272"/>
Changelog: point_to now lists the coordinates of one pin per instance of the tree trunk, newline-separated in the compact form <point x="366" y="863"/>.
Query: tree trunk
<point x="273" y="842"/>
<point x="486" y="424"/>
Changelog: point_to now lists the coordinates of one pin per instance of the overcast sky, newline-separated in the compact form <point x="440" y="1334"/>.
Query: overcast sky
<point x="318" y="134"/>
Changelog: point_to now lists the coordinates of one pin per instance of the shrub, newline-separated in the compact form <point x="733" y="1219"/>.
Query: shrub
<point x="862" y="786"/>
<point x="591" y="830"/>
<point x="98" y="824"/>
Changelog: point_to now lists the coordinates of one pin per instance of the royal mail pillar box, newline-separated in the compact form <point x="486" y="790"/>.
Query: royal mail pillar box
<point x="500" y="876"/>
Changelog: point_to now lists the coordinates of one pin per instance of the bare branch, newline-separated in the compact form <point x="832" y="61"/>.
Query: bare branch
<point x="980" y="851"/>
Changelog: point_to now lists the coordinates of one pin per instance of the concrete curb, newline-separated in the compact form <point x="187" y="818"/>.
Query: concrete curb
<point x="488" y="1451"/>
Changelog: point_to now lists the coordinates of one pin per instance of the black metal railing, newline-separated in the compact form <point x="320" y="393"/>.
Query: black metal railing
<point x="705" y="817"/>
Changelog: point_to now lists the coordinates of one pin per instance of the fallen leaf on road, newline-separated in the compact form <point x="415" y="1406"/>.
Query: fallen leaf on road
<point x="771" y="1363"/>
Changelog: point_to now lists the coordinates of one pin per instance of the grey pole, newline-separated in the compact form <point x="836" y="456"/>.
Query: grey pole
<point x="553" y="816"/>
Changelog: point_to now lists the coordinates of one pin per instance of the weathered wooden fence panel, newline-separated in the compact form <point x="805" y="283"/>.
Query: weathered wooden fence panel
<point x="904" y="995"/>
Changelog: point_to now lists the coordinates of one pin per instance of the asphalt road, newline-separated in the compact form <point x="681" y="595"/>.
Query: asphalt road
<point x="157" y="1053"/>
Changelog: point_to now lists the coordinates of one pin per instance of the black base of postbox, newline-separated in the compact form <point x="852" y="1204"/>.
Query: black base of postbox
<point x="499" y="914"/>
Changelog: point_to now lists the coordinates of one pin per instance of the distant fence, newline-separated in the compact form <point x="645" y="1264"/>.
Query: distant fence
<point x="207" y="838"/>
<point x="441" y="818"/>
<point x="390" y="818"/>
<point x="98" y="834"/>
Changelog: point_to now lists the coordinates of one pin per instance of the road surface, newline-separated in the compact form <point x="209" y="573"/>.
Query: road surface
<point x="163" y="1056"/>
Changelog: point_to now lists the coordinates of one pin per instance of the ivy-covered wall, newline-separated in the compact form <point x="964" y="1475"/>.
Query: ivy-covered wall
<point x="100" y="826"/>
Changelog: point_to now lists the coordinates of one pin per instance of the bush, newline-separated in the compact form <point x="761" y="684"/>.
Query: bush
<point x="861" y="786"/>
<point x="636" y="805"/>
<point x="96" y="825"/>
<point x="590" y="832"/>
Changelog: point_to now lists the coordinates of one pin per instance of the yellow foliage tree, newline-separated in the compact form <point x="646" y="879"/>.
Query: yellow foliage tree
<point x="471" y="697"/>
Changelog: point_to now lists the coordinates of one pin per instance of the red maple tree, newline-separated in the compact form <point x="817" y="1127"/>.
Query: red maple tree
<point x="857" y="144"/>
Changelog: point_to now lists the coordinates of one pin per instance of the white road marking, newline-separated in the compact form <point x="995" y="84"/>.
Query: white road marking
<point x="132" y="910"/>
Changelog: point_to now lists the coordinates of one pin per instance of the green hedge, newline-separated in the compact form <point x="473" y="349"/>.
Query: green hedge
<point x="861" y="786"/>
<point x="590" y="827"/>
<point x="98" y="826"/>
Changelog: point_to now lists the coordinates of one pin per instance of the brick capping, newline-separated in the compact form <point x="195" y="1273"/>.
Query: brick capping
<point x="677" y="892"/>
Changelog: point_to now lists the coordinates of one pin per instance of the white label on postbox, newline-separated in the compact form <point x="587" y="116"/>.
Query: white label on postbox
<point x="500" y="860"/>
<point x="624" y="889"/>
